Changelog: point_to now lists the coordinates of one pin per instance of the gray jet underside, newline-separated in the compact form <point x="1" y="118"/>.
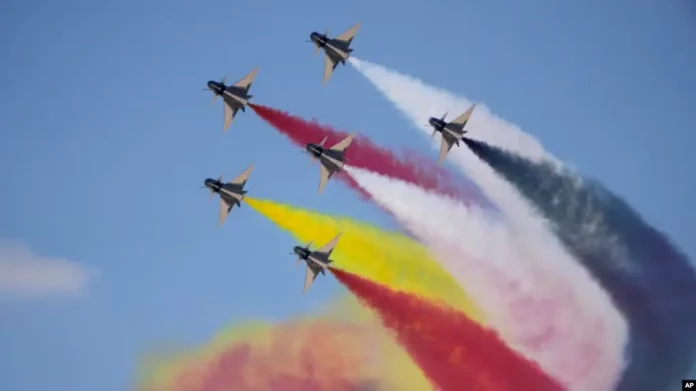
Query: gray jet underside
<point x="337" y="50"/>
<point x="232" y="193"/>
<point x="318" y="261"/>
<point x="237" y="96"/>
<point x="453" y="132"/>
<point x="332" y="160"/>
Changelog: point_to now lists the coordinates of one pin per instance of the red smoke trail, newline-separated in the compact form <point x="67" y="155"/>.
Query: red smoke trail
<point x="454" y="352"/>
<point x="364" y="154"/>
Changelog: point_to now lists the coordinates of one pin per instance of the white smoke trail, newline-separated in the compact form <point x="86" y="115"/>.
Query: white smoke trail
<point x="418" y="102"/>
<point x="535" y="310"/>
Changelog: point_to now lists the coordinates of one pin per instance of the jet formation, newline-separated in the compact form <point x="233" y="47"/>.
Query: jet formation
<point x="331" y="160"/>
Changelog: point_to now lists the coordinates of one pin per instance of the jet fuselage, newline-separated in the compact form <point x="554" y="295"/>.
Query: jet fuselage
<point x="319" y="39"/>
<point x="315" y="150"/>
<point x="303" y="253"/>
<point x="437" y="123"/>
<point x="214" y="185"/>
<point x="229" y="191"/>
<point x="217" y="87"/>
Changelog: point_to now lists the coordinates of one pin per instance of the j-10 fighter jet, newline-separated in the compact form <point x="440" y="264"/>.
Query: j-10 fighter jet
<point x="236" y="96"/>
<point x="452" y="132"/>
<point x="231" y="193"/>
<point x="317" y="261"/>
<point x="336" y="49"/>
<point x="330" y="160"/>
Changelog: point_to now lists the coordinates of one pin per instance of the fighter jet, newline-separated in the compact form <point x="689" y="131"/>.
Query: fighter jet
<point x="236" y="96"/>
<point x="231" y="193"/>
<point x="330" y="160"/>
<point x="337" y="49"/>
<point x="317" y="261"/>
<point x="452" y="132"/>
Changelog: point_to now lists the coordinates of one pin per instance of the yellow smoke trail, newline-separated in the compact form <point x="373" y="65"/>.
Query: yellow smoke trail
<point x="388" y="258"/>
<point x="337" y="347"/>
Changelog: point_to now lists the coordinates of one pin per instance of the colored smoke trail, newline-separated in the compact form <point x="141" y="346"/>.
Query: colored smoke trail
<point x="544" y="317"/>
<point x="454" y="352"/>
<point x="651" y="281"/>
<point x="309" y="354"/>
<point x="417" y="101"/>
<point x="363" y="153"/>
<point x="388" y="258"/>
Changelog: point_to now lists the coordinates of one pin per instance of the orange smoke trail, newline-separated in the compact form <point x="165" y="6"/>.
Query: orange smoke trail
<point x="329" y="352"/>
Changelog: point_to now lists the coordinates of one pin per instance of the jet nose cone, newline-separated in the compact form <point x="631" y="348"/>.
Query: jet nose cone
<point x="208" y="182"/>
<point x="211" y="85"/>
<point x="314" y="150"/>
<point x="316" y="38"/>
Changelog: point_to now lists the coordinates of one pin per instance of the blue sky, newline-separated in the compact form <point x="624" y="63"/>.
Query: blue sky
<point x="106" y="137"/>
